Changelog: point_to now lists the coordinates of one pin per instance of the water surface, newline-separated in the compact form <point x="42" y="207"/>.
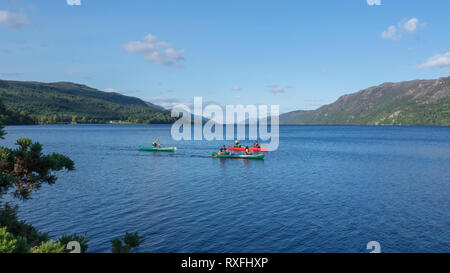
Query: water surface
<point x="327" y="189"/>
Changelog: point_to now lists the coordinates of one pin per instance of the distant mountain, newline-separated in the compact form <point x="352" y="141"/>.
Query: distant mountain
<point x="64" y="102"/>
<point x="419" y="102"/>
<point x="294" y="117"/>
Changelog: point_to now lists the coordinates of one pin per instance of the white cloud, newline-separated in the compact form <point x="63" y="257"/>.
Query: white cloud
<point x="275" y="89"/>
<point x="74" y="2"/>
<point x="11" y="74"/>
<point x="155" y="51"/>
<point x="236" y="88"/>
<point x="395" y="33"/>
<point x="13" y="19"/>
<point x="410" y="25"/>
<point x="167" y="103"/>
<point x="390" y="34"/>
<point x="113" y="90"/>
<point x="373" y="2"/>
<point x="69" y="73"/>
<point x="438" y="60"/>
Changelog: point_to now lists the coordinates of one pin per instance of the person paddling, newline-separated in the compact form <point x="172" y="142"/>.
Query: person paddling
<point x="236" y="144"/>
<point x="223" y="150"/>
<point x="155" y="143"/>
<point x="256" y="145"/>
<point x="247" y="151"/>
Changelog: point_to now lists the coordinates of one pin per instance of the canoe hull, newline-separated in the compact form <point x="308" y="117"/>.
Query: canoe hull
<point x="241" y="149"/>
<point x="258" y="156"/>
<point x="156" y="149"/>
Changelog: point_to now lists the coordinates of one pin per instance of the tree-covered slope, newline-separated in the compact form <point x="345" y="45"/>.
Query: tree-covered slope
<point x="294" y="117"/>
<point x="419" y="102"/>
<point x="69" y="102"/>
<point x="14" y="118"/>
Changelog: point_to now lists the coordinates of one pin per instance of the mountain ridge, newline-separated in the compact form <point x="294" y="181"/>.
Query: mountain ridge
<point x="65" y="102"/>
<point x="416" y="102"/>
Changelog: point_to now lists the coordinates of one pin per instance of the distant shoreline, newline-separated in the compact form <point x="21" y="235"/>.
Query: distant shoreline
<point x="372" y="125"/>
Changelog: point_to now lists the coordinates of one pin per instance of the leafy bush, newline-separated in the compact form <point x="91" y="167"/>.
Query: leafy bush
<point x="65" y="239"/>
<point x="27" y="169"/>
<point x="11" y="244"/>
<point x="49" y="247"/>
<point x="8" y="219"/>
<point x="131" y="241"/>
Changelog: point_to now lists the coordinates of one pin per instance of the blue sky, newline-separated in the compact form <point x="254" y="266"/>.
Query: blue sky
<point x="298" y="54"/>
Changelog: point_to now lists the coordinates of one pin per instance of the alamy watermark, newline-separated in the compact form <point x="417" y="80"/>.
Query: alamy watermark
<point x="374" y="246"/>
<point x="210" y="121"/>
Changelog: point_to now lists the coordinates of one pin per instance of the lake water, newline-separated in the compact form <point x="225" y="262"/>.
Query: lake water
<point x="326" y="189"/>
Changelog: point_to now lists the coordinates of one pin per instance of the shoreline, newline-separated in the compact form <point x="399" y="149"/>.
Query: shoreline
<point x="371" y="125"/>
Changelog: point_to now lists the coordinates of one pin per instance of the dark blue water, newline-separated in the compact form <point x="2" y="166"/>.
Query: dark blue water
<point x="327" y="189"/>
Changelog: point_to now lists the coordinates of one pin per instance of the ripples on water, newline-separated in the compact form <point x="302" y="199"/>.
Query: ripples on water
<point x="327" y="189"/>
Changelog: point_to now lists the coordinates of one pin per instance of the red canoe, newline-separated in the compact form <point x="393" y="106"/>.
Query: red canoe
<point x="251" y="149"/>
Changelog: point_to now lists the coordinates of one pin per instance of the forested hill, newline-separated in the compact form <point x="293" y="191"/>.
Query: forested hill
<point x="419" y="102"/>
<point x="65" y="102"/>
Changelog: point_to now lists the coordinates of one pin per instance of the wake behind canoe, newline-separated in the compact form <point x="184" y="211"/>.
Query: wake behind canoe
<point x="258" y="156"/>
<point x="158" y="149"/>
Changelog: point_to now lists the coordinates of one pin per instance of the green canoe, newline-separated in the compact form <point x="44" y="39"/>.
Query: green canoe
<point x="158" y="149"/>
<point x="257" y="156"/>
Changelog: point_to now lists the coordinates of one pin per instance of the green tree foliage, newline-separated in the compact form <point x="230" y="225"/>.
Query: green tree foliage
<point x="49" y="247"/>
<point x="23" y="170"/>
<point x="8" y="219"/>
<point x="26" y="168"/>
<point x="14" y="118"/>
<point x="82" y="239"/>
<point x="12" y="244"/>
<point x="129" y="243"/>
